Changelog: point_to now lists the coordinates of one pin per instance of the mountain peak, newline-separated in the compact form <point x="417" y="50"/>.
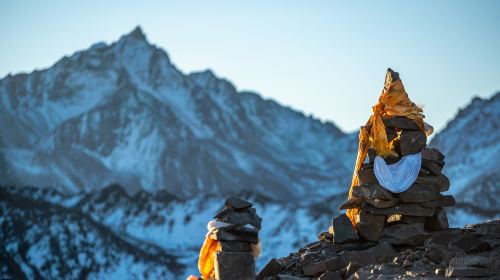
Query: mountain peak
<point x="137" y="33"/>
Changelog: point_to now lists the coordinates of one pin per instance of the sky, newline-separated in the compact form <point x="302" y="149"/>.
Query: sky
<point x="325" y="58"/>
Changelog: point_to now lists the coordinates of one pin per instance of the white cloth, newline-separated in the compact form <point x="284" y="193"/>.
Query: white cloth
<point x="400" y="176"/>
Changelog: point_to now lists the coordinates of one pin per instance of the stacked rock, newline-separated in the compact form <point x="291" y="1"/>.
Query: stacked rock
<point x="238" y="237"/>
<point x="421" y="203"/>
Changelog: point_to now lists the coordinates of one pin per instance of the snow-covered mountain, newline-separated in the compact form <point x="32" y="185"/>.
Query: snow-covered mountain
<point x="123" y="113"/>
<point x="471" y="143"/>
<point x="177" y="145"/>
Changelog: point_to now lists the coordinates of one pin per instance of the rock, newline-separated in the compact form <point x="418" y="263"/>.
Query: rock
<point x="442" y="182"/>
<point x="351" y="268"/>
<point x="317" y="268"/>
<point x="235" y="246"/>
<point x="445" y="201"/>
<point x="379" y="203"/>
<point x="383" y="252"/>
<point x="240" y="217"/>
<point x="439" y="221"/>
<point x="326" y="236"/>
<point x="370" y="226"/>
<point x="432" y="167"/>
<point x="360" y="257"/>
<point x="273" y="267"/>
<point x="291" y="277"/>
<point x="470" y="243"/>
<point x="342" y="229"/>
<point x="437" y="253"/>
<point x="234" y="265"/>
<point x="372" y="191"/>
<point x="432" y="154"/>
<point x="366" y="176"/>
<point x="411" y="209"/>
<point x="371" y="155"/>
<point x="237" y="203"/>
<point x="411" y="142"/>
<point x="353" y="202"/>
<point x="239" y="235"/>
<point x="444" y="238"/>
<point x="454" y="271"/>
<point x="403" y="234"/>
<point x="401" y="123"/>
<point x="413" y="219"/>
<point x="419" y="193"/>
<point x="474" y="261"/>
<point x="330" y="275"/>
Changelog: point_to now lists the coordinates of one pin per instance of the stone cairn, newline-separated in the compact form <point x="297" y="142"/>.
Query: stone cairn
<point x="396" y="235"/>
<point x="235" y="259"/>
<point x="421" y="205"/>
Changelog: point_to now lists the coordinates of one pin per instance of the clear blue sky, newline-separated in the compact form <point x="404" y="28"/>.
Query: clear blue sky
<point x="325" y="58"/>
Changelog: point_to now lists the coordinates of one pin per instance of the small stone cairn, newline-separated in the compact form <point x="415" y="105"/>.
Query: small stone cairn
<point x="235" y="259"/>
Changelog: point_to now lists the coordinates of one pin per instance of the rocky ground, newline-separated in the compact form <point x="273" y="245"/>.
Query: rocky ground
<point x="405" y="251"/>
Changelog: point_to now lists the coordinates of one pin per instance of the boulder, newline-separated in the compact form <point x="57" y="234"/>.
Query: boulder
<point x="234" y="265"/>
<point x="419" y="193"/>
<point x="343" y="230"/>
<point x="439" y="221"/>
<point x="411" y="142"/>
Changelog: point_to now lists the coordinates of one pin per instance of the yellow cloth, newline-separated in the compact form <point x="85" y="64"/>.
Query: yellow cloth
<point x="207" y="257"/>
<point x="393" y="101"/>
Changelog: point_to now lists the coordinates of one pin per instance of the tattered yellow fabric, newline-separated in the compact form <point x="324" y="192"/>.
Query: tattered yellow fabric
<point x="207" y="257"/>
<point x="393" y="101"/>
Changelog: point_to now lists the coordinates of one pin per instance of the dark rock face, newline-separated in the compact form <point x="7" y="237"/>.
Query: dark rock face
<point x="406" y="251"/>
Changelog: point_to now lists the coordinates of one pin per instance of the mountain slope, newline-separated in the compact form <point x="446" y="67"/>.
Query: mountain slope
<point x="472" y="148"/>
<point x="123" y="113"/>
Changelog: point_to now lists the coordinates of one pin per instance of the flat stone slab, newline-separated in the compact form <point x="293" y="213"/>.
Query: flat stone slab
<point x="419" y="193"/>
<point x="236" y="246"/>
<point x="432" y="154"/>
<point x="442" y="182"/>
<point x="372" y="191"/>
<point x="237" y="203"/>
<point x="317" y="268"/>
<point x="411" y="209"/>
<point x="400" y="122"/>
